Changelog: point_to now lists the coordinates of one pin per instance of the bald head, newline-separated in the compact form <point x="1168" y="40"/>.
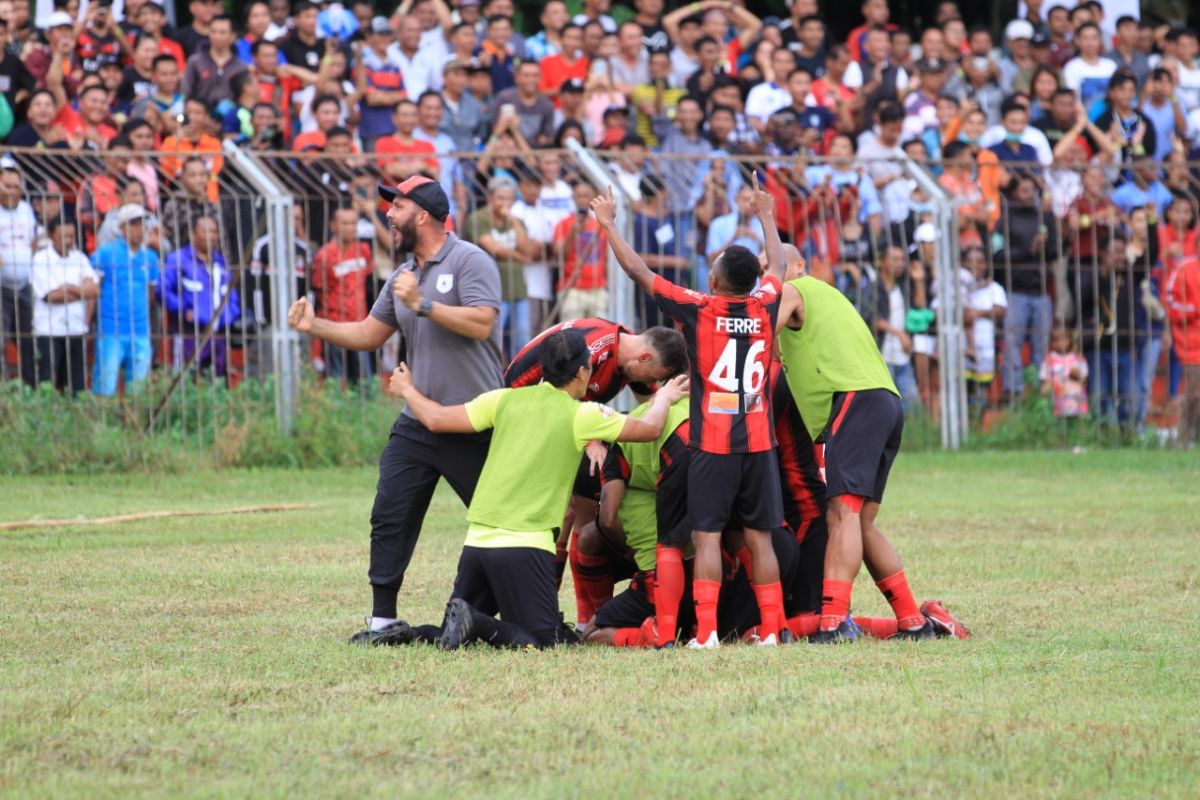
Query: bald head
<point x="793" y="261"/>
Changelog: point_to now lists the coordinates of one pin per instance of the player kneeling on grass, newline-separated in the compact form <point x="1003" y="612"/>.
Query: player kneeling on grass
<point x="538" y="434"/>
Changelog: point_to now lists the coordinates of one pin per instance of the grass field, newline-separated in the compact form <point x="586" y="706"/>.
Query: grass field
<point x="206" y="656"/>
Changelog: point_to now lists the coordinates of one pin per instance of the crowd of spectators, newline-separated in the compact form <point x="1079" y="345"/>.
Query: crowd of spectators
<point x="1064" y="143"/>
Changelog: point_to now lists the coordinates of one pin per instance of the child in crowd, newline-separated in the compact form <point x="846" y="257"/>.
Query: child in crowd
<point x="986" y="304"/>
<point x="1064" y="375"/>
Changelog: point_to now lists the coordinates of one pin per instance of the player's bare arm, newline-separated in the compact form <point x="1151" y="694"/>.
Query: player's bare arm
<point x="764" y="208"/>
<point x="365" y="335"/>
<point x="473" y="322"/>
<point x="606" y="214"/>
<point x="433" y="415"/>
<point x="649" y="426"/>
<point x="791" y="309"/>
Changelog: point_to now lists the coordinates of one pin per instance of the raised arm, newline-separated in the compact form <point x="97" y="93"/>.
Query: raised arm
<point x="764" y="208"/>
<point x="649" y="426"/>
<point x="433" y="415"/>
<point x="606" y="214"/>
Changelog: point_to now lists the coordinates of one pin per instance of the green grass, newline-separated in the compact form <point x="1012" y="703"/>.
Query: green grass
<point x="206" y="656"/>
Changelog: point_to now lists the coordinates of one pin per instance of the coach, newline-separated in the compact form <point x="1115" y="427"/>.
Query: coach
<point x="444" y="302"/>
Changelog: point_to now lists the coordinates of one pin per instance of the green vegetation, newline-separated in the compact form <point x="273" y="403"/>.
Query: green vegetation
<point x="206" y="657"/>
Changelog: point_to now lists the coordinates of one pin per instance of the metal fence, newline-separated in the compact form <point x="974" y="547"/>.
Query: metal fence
<point x="984" y="288"/>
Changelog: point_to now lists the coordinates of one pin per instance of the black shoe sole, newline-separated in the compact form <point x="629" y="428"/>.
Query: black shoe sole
<point x="398" y="633"/>
<point x="456" y="629"/>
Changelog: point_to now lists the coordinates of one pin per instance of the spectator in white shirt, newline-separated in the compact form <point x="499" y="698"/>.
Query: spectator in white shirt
<point x="18" y="227"/>
<point x="65" y="288"/>
<point x="421" y="70"/>
<point x="772" y="94"/>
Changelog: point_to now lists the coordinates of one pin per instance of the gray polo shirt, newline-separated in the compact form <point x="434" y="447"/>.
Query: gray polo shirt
<point x="448" y="368"/>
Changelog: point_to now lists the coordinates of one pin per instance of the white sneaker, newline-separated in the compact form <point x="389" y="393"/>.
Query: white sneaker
<point x="712" y="643"/>
<point x="770" y="641"/>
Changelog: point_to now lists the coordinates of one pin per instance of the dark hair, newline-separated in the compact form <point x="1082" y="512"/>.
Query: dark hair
<point x="1125" y="19"/>
<point x="201" y="217"/>
<point x="1158" y="73"/>
<point x="974" y="29"/>
<point x="563" y="354"/>
<point x="703" y="40"/>
<point x="1063" y="91"/>
<point x="161" y="59"/>
<point x="322" y="99"/>
<point x="890" y="112"/>
<point x="425" y="95"/>
<point x="260" y="44"/>
<point x="267" y="106"/>
<point x="57" y="221"/>
<point x="668" y="344"/>
<point x="568" y="27"/>
<point x="849" y="137"/>
<point x="651" y="186"/>
<point x="722" y="110"/>
<point x="739" y="269"/>
<point x="1086" y="25"/>
<point x="92" y="87"/>
<point x="628" y="23"/>
<point x="810" y="18"/>
<point x="337" y="130"/>
<point x="568" y="125"/>
<point x="134" y="124"/>
<point x="223" y="18"/>
<point x="237" y="84"/>
<point x="1011" y="104"/>
<point x="954" y="149"/>
<point x="301" y="7"/>
<point x="492" y="20"/>
<point x="460" y="26"/>
<point x="632" y="140"/>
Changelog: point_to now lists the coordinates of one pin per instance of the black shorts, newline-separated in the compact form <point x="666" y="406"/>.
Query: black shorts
<point x="862" y="443"/>
<point x="518" y="583"/>
<point x="587" y="484"/>
<point x="734" y="488"/>
<point x="630" y="608"/>
<point x="671" y="504"/>
<point x="804" y="591"/>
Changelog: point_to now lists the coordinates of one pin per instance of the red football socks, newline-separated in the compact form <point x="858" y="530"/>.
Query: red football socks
<point x="747" y="561"/>
<point x="835" y="603"/>
<point x="900" y="597"/>
<point x="706" y="594"/>
<point x="584" y="610"/>
<point x="878" y="627"/>
<point x="596" y="576"/>
<point x="770" y="608"/>
<point x="631" y="637"/>
<point x="805" y="624"/>
<point x="668" y="591"/>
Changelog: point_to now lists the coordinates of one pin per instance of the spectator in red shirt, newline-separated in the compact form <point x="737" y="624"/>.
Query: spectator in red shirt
<point x="562" y="66"/>
<point x="421" y="156"/>
<point x="87" y="127"/>
<point x="339" y="275"/>
<point x="582" y="250"/>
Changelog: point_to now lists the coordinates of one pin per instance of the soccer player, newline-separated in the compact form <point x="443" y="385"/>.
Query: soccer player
<point x="538" y="433"/>
<point x="619" y="357"/>
<point x="844" y="393"/>
<point x="643" y="504"/>
<point x="805" y="508"/>
<point x="732" y="472"/>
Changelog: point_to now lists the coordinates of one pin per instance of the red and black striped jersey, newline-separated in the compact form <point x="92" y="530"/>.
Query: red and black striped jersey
<point x="799" y="472"/>
<point x="602" y="337"/>
<point x="729" y="341"/>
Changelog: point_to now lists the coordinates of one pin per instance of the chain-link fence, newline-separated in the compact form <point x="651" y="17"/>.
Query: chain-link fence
<point x="988" y="285"/>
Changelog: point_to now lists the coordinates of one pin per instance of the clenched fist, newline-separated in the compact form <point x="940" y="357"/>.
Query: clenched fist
<point x="407" y="291"/>
<point x="301" y="315"/>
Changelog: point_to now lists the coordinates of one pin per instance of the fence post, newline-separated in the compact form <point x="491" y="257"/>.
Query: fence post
<point x="620" y="289"/>
<point x="285" y="349"/>
<point x="951" y="352"/>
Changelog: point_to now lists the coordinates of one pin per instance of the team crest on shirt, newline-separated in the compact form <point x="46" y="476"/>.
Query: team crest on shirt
<point x="605" y="411"/>
<point x="444" y="283"/>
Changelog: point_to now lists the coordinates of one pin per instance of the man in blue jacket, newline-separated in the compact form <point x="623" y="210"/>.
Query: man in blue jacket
<point x="128" y="270"/>
<point x="194" y="282"/>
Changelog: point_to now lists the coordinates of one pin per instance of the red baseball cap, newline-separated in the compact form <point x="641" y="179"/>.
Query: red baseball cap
<point x="425" y="192"/>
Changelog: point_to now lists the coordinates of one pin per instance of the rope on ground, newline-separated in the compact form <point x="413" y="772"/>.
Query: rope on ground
<point x="65" y="523"/>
